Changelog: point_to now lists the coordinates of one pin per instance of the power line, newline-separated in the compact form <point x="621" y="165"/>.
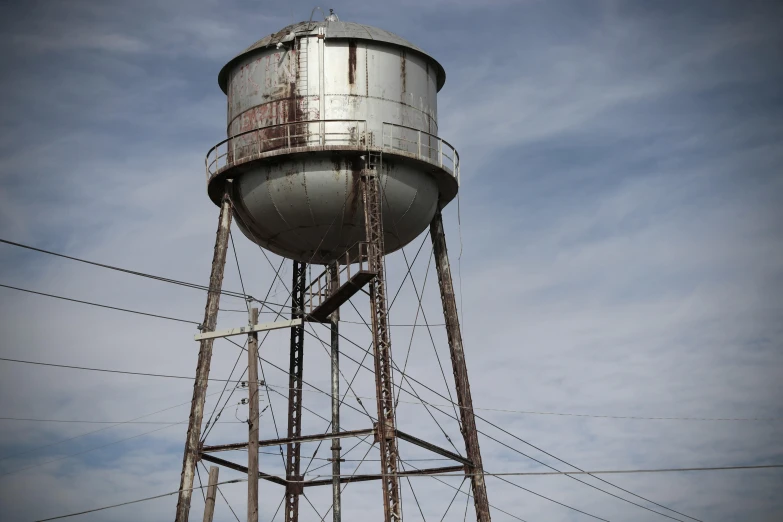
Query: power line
<point x="531" y="445"/>
<point x="144" y="374"/>
<point x="629" y="471"/>
<point x="70" y="421"/>
<point x="469" y="496"/>
<point x="132" y="272"/>
<point x="420" y="403"/>
<point x="99" y="305"/>
<point x="436" y="478"/>
<point x="136" y="501"/>
<point x="13" y="472"/>
<point x="234" y="481"/>
<point x="241" y="282"/>
<point x="98" y="430"/>
<point x="500" y="410"/>
<point x="221" y="494"/>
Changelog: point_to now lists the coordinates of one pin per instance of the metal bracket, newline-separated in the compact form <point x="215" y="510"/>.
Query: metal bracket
<point x="243" y="330"/>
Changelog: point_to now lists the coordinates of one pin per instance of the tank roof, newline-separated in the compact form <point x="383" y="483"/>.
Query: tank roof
<point x="332" y="30"/>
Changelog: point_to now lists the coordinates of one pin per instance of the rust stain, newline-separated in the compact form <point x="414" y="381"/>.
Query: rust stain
<point x="352" y="62"/>
<point x="403" y="75"/>
<point x="354" y="191"/>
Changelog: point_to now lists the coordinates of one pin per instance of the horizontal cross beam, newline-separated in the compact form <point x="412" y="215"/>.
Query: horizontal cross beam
<point x="243" y="469"/>
<point x="364" y="478"/>
<point x="432" y="447"/>
<point x="290" y="440"/>
<point x="244" y="330"/>
<point x="328" y="482"/>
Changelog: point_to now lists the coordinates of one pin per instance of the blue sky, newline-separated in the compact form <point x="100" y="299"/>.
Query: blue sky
<point x="620" y="226"/>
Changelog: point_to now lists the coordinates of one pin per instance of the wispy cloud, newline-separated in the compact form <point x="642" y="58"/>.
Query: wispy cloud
<point x="620" y="216"/>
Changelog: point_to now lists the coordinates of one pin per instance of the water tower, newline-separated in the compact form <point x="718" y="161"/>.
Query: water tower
<point x="332" y="158"/>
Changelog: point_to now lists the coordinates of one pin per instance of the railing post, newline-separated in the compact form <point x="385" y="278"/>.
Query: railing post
<point x="418" y="144"/>
<point x="440" y="153"/>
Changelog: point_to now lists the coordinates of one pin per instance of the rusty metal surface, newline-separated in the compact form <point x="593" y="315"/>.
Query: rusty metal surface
<point x="325" y="80"/>
<point x="334" y="135"/>
<point x="238" y="467"/>
<point x="332" y="31"/>
<point x="384" y="387"/>
<point x="334" y="319"/>
<point x="459" y="366"/>
<point x="311" y="92"/>
<point x="314" y="213"/>
<point x="295" y="394"/>
<point x="286" y="440"/>
<point x="365" y="478"/>
<point x="432" y="447"/>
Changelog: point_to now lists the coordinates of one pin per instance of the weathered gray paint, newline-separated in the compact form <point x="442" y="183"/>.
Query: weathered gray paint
<point x="305" y="205"/>
<point x="332" y="31"/>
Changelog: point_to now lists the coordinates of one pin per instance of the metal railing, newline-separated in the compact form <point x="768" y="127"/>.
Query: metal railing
<point x="321" y="133"/>
<point x="313" y="133"/>
<point x="320" y="288"/>
<point x="421" y="144"/>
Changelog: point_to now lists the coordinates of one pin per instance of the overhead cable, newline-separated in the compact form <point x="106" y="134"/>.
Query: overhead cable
<point x="13" y="472"/>
<point x="234" y="481"/>
<point x="144" y="374"/>
<point x="131" y="272"/>
<point x="529" y="444"/>
<point x="419" y="403"/>
<point x="98" y="430"/>
<point x="73" y="421"/>
<point x="100" y="305"/>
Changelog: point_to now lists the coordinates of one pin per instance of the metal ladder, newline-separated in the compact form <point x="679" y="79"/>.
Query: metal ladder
<point x="303" y="42"/>
<point x="374" y="161"/>
<point x="386" y="431"/>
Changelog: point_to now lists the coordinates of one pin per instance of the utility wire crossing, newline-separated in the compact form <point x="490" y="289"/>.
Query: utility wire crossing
<point x="524" y="412"/>
<point x="79" y="421"/>
<point x="144" y="374"/>
<point x="99" y="305"/>
<point x="243" y="295"/>
<point x="137" y="273"/>
<point x="234" y="481"/>
<point x="666" y="470"/>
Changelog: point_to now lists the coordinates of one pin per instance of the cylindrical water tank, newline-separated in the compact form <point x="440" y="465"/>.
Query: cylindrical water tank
<point x="309" y="107"/>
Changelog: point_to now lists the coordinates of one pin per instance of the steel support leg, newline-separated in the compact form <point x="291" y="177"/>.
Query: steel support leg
<point x="335" y="320"/>
<point x="382" y="346"/>
<point x="191" y="457"/>
<point x="293" y="490"/>
<point x="459" y="366"/>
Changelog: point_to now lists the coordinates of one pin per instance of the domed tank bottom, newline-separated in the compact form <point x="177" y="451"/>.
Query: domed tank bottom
<point x="310" y="208"/>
